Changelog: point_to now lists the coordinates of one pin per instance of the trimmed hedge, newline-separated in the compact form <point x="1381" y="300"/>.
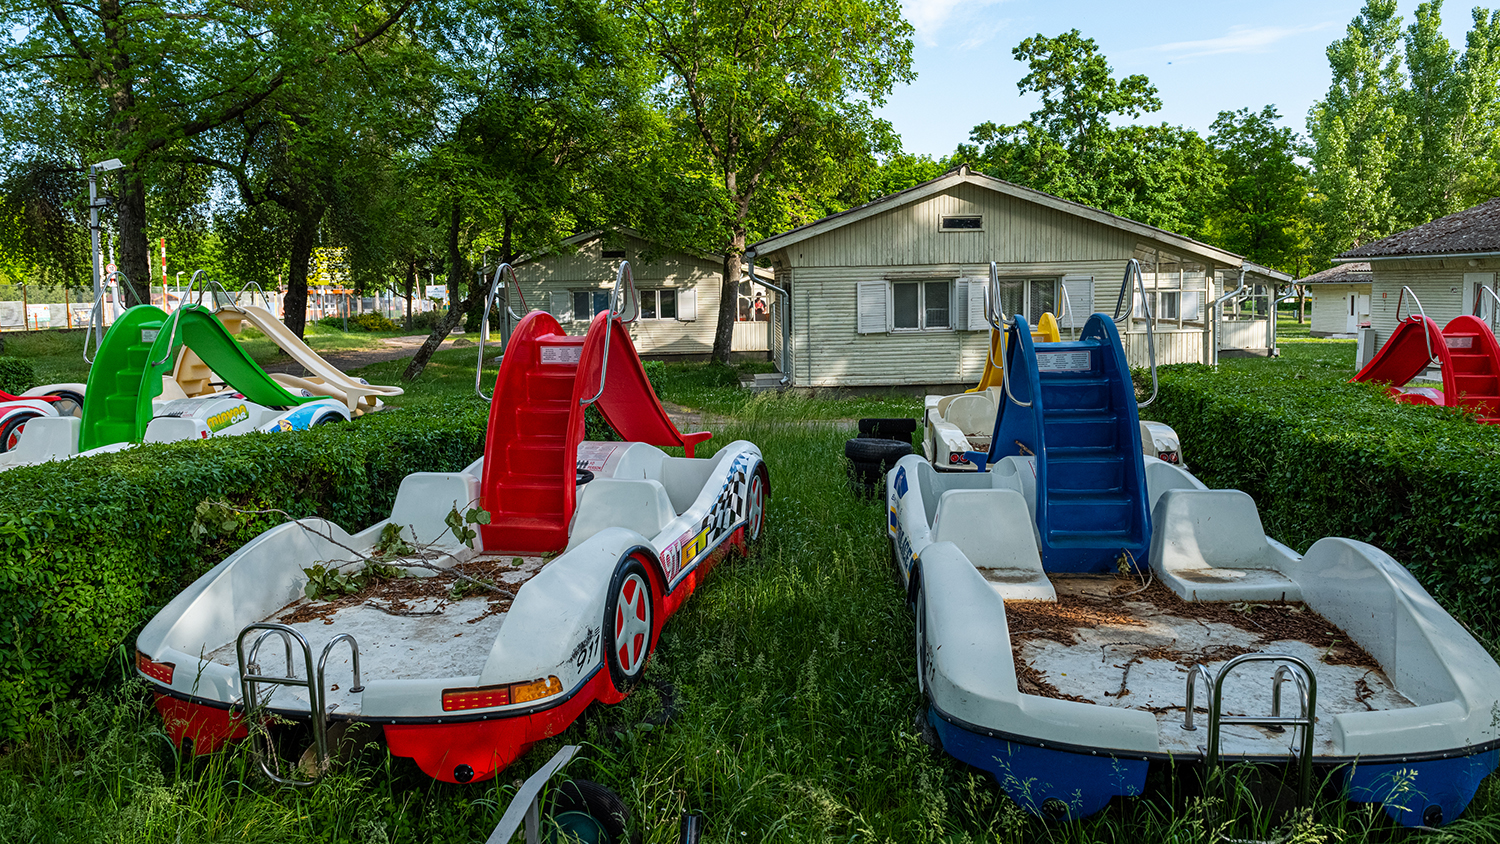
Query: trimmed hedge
<point x="17" y="375"/>
<point x="1323" y="457"/>
<point x="90" y="549"/>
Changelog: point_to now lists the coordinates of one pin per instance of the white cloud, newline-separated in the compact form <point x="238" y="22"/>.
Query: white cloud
<point x="1239" y="39"/>
<point x="939" y="22"/>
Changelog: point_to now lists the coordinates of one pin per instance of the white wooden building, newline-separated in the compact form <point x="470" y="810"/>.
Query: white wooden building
<point x="679" y="293"/>
<point x="1443" y="269"/>
<point x="890" y="293"/>
<point x="1340" y="299"/>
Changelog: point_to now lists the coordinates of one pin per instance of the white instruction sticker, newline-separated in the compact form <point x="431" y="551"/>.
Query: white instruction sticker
<point x="1079" y="361"/>
<point x="568" y="355"/>
<point x="148" y="335"/>
<point x="593" y="456"/>
<point x="1460" y="342"/>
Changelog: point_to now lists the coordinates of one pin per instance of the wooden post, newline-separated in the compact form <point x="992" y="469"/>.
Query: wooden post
<point x="67" y="307"/>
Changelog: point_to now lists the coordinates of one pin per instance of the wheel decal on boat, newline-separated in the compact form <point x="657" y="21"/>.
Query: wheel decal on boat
<point x="757" y="502"/>
<point x="632" y="623"/>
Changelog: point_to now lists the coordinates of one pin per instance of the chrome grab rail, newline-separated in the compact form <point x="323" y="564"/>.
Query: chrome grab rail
<point x="1426" y="335"/>
<point x="1135" y="265"/>
<point x="98" y="303"/>
<point x="995" y="314"/>
<point x="1068" y="310"/>
<point x="1496" y="311"/>
<point x="626" y="278"/>
<point x="1307" y="687"/>
<point x="250" y="676"/>
<point x="484" y="322"/>
<point x="176" y="317"/>
<point x="264" y="299"/>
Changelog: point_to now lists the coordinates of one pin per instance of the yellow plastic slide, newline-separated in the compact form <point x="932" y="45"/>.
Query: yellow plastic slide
<point x="1046" y="331"/>
<point x="325" y="378"/>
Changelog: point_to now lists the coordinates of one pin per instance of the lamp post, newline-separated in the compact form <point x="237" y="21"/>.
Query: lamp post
<point x="97" y="317"/>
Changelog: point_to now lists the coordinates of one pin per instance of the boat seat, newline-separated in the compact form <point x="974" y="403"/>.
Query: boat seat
<point x="1209" y="545"/>
<point x="423" y="502"/>
<point x="971" y="413"/>
<point x="639" y="504"/>
<point x="992" y="527"/>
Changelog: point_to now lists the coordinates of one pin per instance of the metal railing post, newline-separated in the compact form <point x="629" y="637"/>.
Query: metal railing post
<point x="626" y="279"/>
<point x="1135" y="265"/>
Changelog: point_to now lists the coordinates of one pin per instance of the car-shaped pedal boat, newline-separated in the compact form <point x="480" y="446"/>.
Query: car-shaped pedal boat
<point x="1082" y="612"/>
<point x="464" y="682"/>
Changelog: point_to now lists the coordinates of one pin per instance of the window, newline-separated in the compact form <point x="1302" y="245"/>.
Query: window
<point x="587" y="303"/>
<point x="658" y="304"/>
<point x="1175" y="291"/>
<point x="962" y="223"/>
<point x="754" y="305"/>
<point x="921" y="305"/>
<point x="613" y="253"/>
<point x="1030" y="297"/>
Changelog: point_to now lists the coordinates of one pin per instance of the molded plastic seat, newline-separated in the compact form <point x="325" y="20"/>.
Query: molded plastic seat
<point x="1209" y="545"/>
<point x="993" y="528"/>
<point x="972" y="413"/>
<point x="642" y="505"/>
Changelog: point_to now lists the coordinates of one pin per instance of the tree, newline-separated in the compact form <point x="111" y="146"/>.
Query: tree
<point x="1354" y="130"/>
<point x="142" y="75"/>
<point x="1163" y="175"/>
<point x="777" y="98"/>
<point x="1262" y="200"/>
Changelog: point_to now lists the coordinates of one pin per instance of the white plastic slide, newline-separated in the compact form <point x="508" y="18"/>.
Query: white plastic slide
<point x="325" y="380"/>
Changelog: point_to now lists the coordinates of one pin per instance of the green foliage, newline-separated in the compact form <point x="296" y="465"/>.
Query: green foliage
<point x="1259" y="215"/>
<point x="1323" y="457"/>
<point x="426" y="321"/>
<point x="17" y="375"/>
<point x="368" y="321"/>
<point x="461" y="524"/>
<point x="90" y="548"/>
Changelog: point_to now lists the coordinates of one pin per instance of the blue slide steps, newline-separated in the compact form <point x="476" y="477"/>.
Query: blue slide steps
<point x="1083" y="428"/>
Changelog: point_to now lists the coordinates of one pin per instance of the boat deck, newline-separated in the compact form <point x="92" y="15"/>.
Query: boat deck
<point x="1100" y="644"/>
<point x="407" y="628"/>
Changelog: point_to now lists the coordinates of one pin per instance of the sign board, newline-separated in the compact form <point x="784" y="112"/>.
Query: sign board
<point x="39" y="316"/>
<point x="437" y="291"/>
<point x="567" y="355"/>
<point x="1079" y="361"/>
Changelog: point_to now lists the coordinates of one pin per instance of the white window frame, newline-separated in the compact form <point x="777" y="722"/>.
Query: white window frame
<point x="921" y="326"/>
<point x="591" y="292"/>
<point x="1027" y="283"/>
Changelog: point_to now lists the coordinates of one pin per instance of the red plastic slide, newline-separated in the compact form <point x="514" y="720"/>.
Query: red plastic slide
<point x="537" y="422"/>
<point x="1466" y="352"/>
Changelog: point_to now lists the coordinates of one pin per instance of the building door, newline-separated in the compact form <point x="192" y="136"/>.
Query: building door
<point x="1351" y="319"/>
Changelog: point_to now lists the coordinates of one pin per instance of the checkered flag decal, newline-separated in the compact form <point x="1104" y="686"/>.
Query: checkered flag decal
<point x="730" y="507"/>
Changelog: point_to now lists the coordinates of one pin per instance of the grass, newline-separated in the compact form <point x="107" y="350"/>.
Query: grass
<point x="791" y="674"/>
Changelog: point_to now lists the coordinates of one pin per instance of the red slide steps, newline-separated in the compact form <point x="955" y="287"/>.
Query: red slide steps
<point x="1465" y="350"/>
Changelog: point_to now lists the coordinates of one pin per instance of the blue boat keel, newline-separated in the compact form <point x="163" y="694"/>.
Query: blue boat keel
<point x="1428" y="793"/>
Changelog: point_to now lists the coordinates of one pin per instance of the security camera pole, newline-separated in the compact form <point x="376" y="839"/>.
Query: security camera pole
<point x="94" y="205"/>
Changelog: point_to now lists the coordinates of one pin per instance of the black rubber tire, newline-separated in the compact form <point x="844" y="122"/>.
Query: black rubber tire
<point x="919" y="635"/>
<point x="888" y="429"/>
<point x="756" y="492"/>
<point x="596" y="801"/>
<point x="624" y="678"/>
<point x="16" y="420"/>
<point x="68" y="401"/>
<point x="870" y="450"/>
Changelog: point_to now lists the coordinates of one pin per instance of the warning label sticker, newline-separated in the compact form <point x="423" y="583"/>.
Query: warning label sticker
<point x="1460" y="342"/>
<point x="593" y="456"/>
<point x="568" y="355"/>
<point x="149" y="335"/>
<point x="1079" y="361"/>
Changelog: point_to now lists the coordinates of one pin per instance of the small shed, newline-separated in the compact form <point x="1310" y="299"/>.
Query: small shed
<point x="891" y="293"/>
<point x="1442" y="269"/>
<point x="679" y="293"/>
<point x="1340" y="300"/>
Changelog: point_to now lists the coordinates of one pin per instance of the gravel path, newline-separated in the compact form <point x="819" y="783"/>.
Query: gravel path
<point x="395" y="348"/>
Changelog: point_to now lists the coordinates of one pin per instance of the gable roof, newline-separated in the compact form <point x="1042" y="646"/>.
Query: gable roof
<point x="962" y="174"/>
<point x="1473" y="230"/>
<point x="1356" y="272"/>
<point x="1275" y="275"/>
<point x="594" y="234"/>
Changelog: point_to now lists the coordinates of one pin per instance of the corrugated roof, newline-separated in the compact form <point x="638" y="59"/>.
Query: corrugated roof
<point x="1351" y="273"/>
<point x="1469" y="231"/>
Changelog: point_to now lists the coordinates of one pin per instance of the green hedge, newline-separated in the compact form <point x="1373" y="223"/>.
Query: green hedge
<point x="90" y="549"/>
<point x="17" y="375"/>
<point x="1323" y="457"/>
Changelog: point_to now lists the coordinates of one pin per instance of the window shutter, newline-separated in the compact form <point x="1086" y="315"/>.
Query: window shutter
<point x="958" y="306"/>
<point x="562" y="306"/>
<point x="687" y="304"/>
<point x="1078" y="300"/>
<point x="975" y="303"/>
<point x="1192" y="305"/>
<point x="873" y="307"/>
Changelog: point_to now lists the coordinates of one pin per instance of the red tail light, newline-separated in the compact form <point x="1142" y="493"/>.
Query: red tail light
<point x="484" y="697"/>
<point x="159" y="671"/>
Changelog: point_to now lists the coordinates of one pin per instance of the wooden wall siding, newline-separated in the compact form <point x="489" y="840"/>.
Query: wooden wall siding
<point x="1330" y="312"/>
<point x="1440" y="289"/>
<point x="1247" y="335"/>
<point x="827" y="351"/>
<point x="587" y="268"/>
<point x="1015" y="231"/>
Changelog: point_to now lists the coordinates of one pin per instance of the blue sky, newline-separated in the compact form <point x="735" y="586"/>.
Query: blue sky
<point x="1204" y="57"/>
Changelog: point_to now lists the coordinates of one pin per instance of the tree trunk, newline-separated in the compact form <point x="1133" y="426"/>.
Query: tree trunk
<point x="1301" y="299"/>
<point x="729" y="288"/>
<point x="134" y="255"/>
<point x="457" y="269"/>
<point x="411" y="283"/>
<point x="303" y="241"/>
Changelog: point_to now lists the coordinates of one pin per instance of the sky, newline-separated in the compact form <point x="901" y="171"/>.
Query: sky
<point x="1204" y="57"/>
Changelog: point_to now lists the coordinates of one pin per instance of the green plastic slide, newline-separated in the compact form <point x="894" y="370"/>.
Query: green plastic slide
<point x="123" y="383"/>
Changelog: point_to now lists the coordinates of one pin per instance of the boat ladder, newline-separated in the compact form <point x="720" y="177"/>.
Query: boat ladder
<point x="1290" y="668"/>
<point x="313" y="681"/>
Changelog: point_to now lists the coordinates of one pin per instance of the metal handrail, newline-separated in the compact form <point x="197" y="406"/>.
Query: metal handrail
<point x="250" y="676"/>
<point x="1068" y="310"/>
<point x="994" y="313"/>
<point x="484" y="322"/>
<point x="1426" y="335"/>
<point x="98" y="303"/>
<point x="1135" y="265"/>
<point x="176" y="316"/>
<point x="265" y="300"/>
<point x="627" y="278"/>
<point x="1307" y="685"/>
<point x="1493" y="295"/>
